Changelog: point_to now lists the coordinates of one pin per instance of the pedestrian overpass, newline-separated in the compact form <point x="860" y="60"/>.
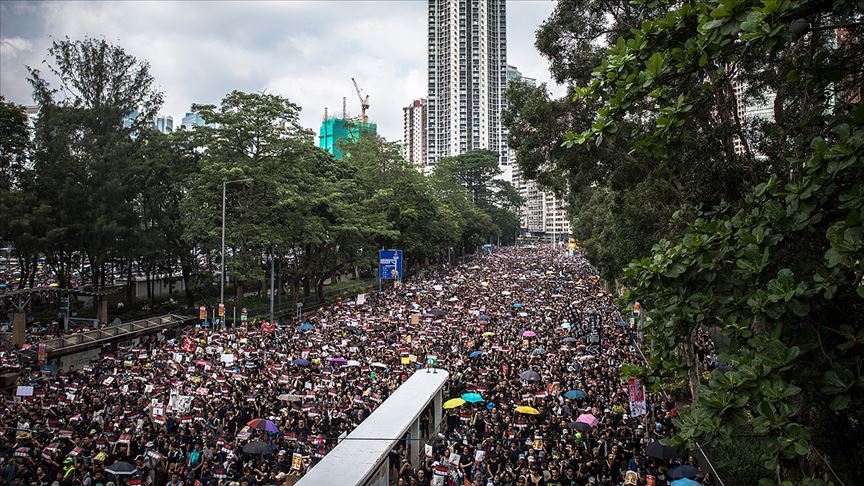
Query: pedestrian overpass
<point x="361" y="458"/>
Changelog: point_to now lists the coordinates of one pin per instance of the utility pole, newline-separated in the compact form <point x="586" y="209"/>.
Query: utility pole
<point x="272" y="280"/>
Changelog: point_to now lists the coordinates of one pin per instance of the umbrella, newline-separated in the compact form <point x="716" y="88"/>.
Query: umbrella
<point x="484" y="316"/>
<point x="517" y="305"/>
<point x="261" y="424"/>
<point x="578" y="394"/>
<point x="337" y="360"/>
<point x="121" y="468"/>
<point x="528" y="410"/>
<point x="305" y="326"/>
<point x="683" y="471"/>
<point x="258" y="447"/>
<point x="587" y="418"/>
<point x="529" y="375"/>
<point x="488" y="333"/>
<point x="301" y="362"/>
<point x="581" y="426"/>
<point x="474" y="354"/>
<point x="453" y="403"/>
<point x="570" y="339"/>
<point x="437" y="313"/>
<point x="378" y="365"/>
<point x="352" y="362"/>
<point x="538" y="351"/>
<point x="660" y="451"/>
<point x="684" y="482"/>
<point x="289" y="397"/>
<point x="472" y="397"/>
<point x="529" y="334"/>
<point x="565" y="325"/>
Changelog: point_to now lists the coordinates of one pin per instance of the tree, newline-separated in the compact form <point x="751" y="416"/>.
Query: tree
<point x="476" y="171"/>
<point x="84" y="149"/>
<point x="778" y="270"/>
<point x="627" y="164"/>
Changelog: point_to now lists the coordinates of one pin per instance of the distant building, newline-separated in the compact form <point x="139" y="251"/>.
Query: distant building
<point x="164" y="124"/>
<point x="192" y="119"/>
<point x="414" y="132"/>
<point x="333" y="130"/>
<point x="467" y="75"/>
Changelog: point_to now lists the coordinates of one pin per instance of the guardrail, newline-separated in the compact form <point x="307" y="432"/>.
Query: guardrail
<point x="88" y="339"/>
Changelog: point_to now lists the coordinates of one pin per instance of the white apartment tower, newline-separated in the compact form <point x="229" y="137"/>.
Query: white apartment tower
<point x="414" y="132"/>
<point x="467" y="77"/>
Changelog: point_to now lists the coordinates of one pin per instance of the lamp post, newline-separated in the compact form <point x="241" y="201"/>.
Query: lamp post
<point x="222" y="262"/>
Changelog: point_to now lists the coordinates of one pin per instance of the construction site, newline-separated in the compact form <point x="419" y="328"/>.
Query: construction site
<point x="337" y="128"/>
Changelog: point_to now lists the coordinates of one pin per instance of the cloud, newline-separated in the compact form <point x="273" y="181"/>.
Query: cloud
<point x="306" y="51"/>
<point x="11" y="47"/>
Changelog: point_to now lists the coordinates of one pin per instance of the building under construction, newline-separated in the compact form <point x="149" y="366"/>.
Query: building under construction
<point x="334" y="129"/>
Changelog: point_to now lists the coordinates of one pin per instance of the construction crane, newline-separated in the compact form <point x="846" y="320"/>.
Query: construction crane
<point x="364" y="102"/>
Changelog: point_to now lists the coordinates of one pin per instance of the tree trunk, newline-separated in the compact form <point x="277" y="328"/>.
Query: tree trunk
<point x="688" y="351"/>
<point x="239" y="297"/>
<point x="130" y="296"/>
<point x="187" y="284"/>
<point x="319" y="287"/>
<point x="307" y="288"/>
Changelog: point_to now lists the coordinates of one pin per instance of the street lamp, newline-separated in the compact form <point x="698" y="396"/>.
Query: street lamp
<point x="222" y="263"/>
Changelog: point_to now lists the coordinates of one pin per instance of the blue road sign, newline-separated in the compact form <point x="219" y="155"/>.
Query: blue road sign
<point x="390" y="264"/>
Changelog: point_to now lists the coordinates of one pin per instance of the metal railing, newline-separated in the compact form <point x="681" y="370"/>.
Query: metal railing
<point x="96" y="337"/>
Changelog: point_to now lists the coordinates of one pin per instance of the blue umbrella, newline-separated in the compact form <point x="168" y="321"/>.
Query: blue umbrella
<point x="484" y="316"/>
<point x="474" y="354"/>
<point x="472" y="397"/>
<point x="565" y="325"/>
<point x="578" y="394"/>
<point x="490" y="405"/>
<point x="306" y="326"/>
<point x="301" y="362"/>
<point x="517" y="305"/>
<point x="685" y="482"/>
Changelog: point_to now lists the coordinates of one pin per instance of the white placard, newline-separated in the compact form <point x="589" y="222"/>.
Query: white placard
<point x="24" y="391"/>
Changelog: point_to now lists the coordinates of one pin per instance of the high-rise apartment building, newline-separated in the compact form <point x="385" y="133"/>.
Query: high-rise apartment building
<point x="414" y="132"/>
<point x="164" y="124"/>
<point x="467" y="77"/>
<point x="192" y="119"/>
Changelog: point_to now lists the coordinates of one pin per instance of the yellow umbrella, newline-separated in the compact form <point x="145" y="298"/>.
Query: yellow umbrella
<point x="453" y="403"/>
<point x="54" y="285"/>
<point x="484" y="284"/>
<point x="488" y="333"/>
<point x="528" y="410"/>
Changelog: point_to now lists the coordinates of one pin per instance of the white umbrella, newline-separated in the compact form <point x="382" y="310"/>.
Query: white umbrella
<point x="378" y="365"/>
<point x="352" y="362"/>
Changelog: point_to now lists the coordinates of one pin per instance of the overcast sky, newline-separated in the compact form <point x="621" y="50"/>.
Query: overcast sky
<point x="306" y="51"/>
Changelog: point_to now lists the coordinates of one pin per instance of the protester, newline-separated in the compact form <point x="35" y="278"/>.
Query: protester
<point x="519" y="327"/>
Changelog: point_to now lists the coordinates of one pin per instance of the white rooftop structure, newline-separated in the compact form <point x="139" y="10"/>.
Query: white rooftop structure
<point x="358" y="459"/>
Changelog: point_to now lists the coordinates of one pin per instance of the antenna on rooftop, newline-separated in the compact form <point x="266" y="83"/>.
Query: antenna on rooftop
<point x="344" y="108"/>
<point x="325" y="112"/>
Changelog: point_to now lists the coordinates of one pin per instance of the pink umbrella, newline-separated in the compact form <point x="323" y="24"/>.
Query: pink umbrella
<point x="588" y="419"/>
<point x="529" y="334"/>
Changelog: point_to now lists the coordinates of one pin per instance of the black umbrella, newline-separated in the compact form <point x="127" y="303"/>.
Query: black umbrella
<point x="121" y="469"/>
<point x="437" y="313"/>
<point x="660" y="451"/>
<point x="683" y="471"/>
<point x="258" y="447"/>
<point x="569" y="339"/>
<point x="580" y="426"/>
<point x="529" y="375"/>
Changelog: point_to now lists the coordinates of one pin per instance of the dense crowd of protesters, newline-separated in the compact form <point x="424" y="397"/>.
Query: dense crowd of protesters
<point x="519" y="327"/>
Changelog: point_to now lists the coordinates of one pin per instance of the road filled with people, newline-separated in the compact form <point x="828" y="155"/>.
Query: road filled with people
<point x="535" y="397"/>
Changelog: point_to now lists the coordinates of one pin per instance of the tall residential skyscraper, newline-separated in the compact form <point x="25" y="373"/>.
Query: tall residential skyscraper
<point x="414" y="132"/>
<point x="467" y="77"/>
